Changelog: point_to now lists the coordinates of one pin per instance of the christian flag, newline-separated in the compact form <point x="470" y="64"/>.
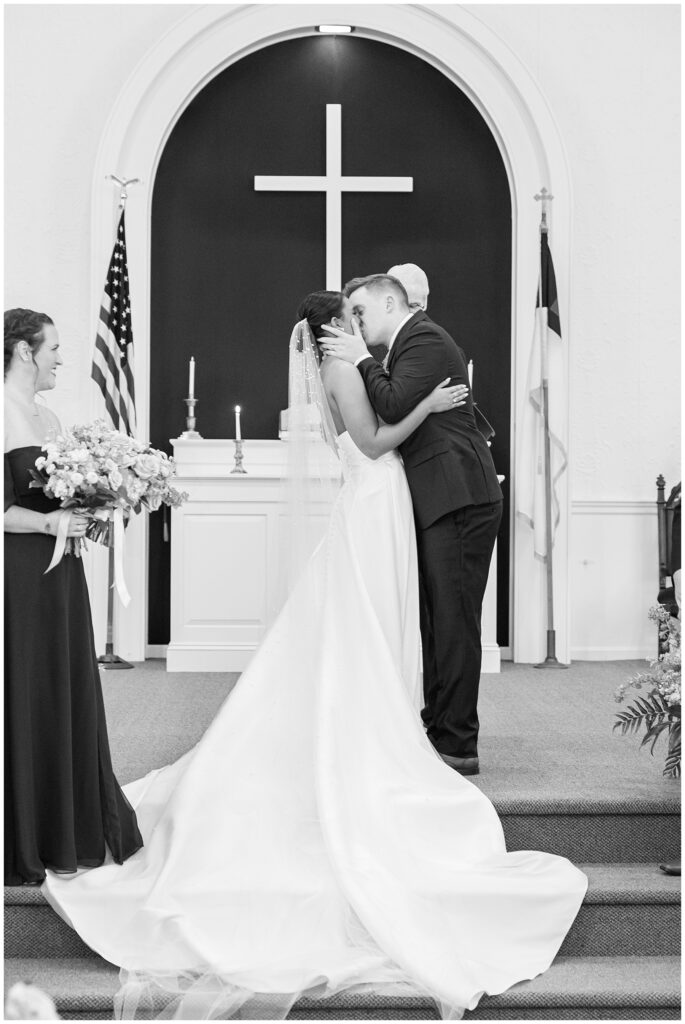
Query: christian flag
<point x="545" y="367"/>
<point x="112" y="368"/>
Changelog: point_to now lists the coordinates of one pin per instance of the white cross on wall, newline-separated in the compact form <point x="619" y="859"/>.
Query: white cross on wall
<point x="333" y="184"/>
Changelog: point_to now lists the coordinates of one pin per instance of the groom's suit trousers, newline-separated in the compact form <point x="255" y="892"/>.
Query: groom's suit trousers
<point x="454" y="559"/>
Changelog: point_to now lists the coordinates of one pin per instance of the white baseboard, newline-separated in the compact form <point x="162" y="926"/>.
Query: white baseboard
<point x="612" y="653"/>
<point x="491" y="663"/>
<point x="186" y="659"/>
<point x="193" y="658"/>
<point x="155" y="651"/>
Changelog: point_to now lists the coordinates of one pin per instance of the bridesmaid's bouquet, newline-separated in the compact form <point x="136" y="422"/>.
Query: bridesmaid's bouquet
<point x="105" y="475"/>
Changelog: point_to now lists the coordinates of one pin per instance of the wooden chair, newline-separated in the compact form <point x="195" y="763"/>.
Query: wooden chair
<point x="668" y="523"/>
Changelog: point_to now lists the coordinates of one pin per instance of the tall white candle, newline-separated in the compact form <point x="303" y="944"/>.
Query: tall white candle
<point x="191" y="378"/>
<point x="238" y="435"/>
<point x="470" y="369"/>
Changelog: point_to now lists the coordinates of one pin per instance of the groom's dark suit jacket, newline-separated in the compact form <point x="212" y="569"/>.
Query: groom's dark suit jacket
<point x="447" y="461"/>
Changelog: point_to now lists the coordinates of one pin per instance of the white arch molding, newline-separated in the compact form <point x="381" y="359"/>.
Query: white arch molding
<point x="206" y="42"/>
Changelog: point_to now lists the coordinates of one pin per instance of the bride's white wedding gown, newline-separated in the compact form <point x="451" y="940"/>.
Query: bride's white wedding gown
<point x="313" y="840"/>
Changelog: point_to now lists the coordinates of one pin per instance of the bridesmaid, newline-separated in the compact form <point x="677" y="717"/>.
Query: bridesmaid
<point x="63" y="805"/>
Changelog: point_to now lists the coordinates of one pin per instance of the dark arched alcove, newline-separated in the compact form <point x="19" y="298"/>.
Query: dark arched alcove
<point x="230" y="265"/>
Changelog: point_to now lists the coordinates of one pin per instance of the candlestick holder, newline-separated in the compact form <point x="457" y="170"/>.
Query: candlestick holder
<point x="190" y="433"/>
<point x="238" y="467"/>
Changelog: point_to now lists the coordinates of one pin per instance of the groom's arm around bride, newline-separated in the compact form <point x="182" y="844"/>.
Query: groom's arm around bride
<point x="421" y="354"/>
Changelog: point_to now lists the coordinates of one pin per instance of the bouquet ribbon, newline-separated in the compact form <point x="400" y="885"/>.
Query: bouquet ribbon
<point x="119" y="581"/>
<point x="60" y="540"/>
<point x="117" y="516"/>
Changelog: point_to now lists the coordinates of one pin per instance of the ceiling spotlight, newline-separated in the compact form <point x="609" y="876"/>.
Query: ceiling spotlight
<point x="335" y="30"/>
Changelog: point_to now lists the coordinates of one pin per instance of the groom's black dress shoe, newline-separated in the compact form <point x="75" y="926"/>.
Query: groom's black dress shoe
<point x="672" y="868"/>
<point x="463" y="765"/>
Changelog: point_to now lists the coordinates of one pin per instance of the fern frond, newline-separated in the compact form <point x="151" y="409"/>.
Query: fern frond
<point x="653" y="734"/>
<point x="644" y="710"/>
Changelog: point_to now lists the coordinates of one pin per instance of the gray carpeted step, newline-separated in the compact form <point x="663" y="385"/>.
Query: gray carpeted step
<point x="585" y="837"/>
<point x="82" y="987"/>
<point x="594" y="988"/>
<point x="33" y="929"/>
<point x="581" y="988"/>
<point x="594" y="830"/>
<point x="629" y="909"/>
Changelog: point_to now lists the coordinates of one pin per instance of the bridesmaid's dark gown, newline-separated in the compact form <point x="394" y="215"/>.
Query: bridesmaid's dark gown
<point x="63" y="805"/>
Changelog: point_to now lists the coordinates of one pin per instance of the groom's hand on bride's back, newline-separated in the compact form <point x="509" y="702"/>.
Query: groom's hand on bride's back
<point x="349" y="347"/>
<point x="446" y="397"/>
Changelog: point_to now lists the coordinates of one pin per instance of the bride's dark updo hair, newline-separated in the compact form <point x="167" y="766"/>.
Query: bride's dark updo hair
<point x="318" y="308"/>
<point x="23" y="325"/>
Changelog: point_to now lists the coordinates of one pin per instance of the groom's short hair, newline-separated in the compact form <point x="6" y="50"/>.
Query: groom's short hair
<point x="352" y="285"/>
<point x="377" y="283"/>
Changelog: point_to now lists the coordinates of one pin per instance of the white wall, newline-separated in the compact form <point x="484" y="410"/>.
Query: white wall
<point x="611" y="77"/>
<point x="64" y="67"/>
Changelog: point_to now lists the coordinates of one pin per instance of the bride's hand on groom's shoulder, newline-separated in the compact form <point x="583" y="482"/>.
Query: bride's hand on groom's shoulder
<point x="345" y="346"/>
<point x="443" y="398"/>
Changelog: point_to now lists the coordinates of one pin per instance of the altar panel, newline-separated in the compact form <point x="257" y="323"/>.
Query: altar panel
<point x="228" y="545"/>
<point x="225" y="546"/>
<point x="225" y="553"/>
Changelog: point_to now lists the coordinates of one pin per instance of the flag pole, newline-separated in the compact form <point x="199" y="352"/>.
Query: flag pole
<point x="551" y="660"/>
<point x="110" y="660"/>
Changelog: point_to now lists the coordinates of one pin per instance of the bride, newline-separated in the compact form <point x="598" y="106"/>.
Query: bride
<point x="313" y="841"/>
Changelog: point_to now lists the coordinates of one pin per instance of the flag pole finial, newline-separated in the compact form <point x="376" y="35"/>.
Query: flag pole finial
<point x="544" y="197"/>
<point x="122" y="183"/>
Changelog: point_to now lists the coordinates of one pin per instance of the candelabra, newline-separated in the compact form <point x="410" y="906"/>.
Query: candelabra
<point x="238" y="467"/>
<point x="190" y="433"/>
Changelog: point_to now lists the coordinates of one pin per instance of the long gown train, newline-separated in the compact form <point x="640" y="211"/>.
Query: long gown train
<point x="313" y="840"/>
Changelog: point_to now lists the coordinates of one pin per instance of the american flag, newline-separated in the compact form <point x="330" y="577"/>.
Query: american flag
<point x="112" y="368"/>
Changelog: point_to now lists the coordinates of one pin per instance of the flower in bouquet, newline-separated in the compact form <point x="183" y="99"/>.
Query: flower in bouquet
<point x="658" y="709"/>
<point x="103" y="473"/>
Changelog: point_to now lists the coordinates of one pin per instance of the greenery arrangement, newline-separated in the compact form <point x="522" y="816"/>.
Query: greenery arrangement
<point x="658" y="710"/>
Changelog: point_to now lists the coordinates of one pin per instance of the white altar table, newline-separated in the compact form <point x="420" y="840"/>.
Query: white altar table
<point x="224" y="543"/>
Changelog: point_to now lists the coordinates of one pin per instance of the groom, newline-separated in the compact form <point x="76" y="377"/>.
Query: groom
<point x="456" y="496"/>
